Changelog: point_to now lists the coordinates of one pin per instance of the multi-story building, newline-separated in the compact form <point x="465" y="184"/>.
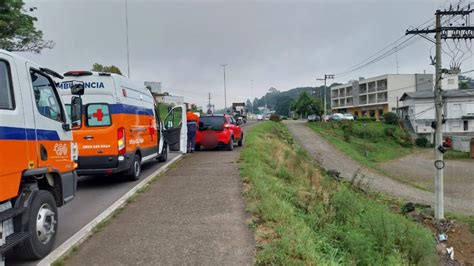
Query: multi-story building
<point x="374" y="96"/>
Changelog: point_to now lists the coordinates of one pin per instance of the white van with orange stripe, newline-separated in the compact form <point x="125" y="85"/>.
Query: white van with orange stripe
<point x="120" y="129"/>
<point x="37" y="156"/>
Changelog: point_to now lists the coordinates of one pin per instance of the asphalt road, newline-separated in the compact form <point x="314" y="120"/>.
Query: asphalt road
<point x="94" y="195"/>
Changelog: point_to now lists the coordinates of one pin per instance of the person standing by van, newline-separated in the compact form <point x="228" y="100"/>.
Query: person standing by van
<point x="193" y="124"/>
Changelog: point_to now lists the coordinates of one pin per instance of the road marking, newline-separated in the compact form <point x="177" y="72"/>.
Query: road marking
<point x="79" y="237"/>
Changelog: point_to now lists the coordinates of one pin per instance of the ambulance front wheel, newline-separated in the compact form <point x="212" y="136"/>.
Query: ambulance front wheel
<point x="133" y="174"/>
<point x="42" y="225"/>
<point x="163" y="157"/>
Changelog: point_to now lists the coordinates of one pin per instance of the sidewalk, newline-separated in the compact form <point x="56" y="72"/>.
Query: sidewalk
<point x="331" y="158"/>
<point x="194" y="214"/>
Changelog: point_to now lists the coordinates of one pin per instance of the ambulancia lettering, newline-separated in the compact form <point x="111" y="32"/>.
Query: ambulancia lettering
<point x="87" y="85"/>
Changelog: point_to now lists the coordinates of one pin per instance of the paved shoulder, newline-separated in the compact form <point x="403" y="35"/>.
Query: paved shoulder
<point x="332" y="159"/>
<point x="194" y="214"/>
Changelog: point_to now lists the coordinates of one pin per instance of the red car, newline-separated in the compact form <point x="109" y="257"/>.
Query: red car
<point x="218" y="130"/>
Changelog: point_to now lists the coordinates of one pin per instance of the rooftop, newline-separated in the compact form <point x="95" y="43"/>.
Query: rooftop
<point x="430" y="94"/>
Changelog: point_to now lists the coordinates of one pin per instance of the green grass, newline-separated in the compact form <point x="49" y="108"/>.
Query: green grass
<point x="465" y="219"/>
<point x="457" y="155"/>
<point x="373" y="138"/>
<point x="302" y="216"/>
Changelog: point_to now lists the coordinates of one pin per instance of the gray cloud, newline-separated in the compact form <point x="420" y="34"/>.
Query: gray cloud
<point x="282" y="44"/>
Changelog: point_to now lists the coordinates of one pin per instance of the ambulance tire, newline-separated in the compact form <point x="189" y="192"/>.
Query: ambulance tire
<point x="230" y="145"/>
<point x="41" y="240"/>
<point x="133" y="174"/>
<point x="163" y="157"/>
<point x="241" y="140"/>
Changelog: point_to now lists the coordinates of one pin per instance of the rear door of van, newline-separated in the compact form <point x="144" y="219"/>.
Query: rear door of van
<point x="97" y="138"/>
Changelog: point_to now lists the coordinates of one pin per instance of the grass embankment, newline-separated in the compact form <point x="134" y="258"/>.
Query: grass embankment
<point x="383" y="142"/>
<point x="303" y="216"/>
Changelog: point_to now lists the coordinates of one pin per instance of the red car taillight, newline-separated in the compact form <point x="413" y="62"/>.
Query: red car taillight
<point x="121" y="141"/>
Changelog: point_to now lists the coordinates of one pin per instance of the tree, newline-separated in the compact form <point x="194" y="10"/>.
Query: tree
<point x="108" y="69"/>
<point x="248" y="106"/>
<point x="463" y="85"/>
<point x="306" y="105"/>
<point x="17" y="29"/>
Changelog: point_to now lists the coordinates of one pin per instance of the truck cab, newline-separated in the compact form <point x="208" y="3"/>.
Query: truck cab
<point x="37" y="155"/>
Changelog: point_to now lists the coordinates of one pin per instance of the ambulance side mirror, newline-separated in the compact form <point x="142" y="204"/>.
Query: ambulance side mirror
<point x="77" y="88"/>
<point x="76" y="112"/>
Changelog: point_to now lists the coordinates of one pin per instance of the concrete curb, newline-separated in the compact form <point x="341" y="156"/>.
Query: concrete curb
<point x="86" y="231"/>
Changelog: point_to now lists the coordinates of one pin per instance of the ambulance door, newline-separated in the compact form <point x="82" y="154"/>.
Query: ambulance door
<point x="52" y="135"/>
<point x="175" y="129"/>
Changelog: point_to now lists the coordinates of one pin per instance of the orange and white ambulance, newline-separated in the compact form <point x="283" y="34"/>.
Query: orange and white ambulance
<point x="37" y="155"/>
<point x="120" y="129"/>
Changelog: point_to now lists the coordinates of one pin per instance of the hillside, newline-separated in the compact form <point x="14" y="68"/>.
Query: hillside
<point x="280" y="100"/>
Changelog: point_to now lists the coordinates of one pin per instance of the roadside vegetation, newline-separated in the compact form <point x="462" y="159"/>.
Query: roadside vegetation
<point x="367" y="142"/>
<point x="304" y="216"/>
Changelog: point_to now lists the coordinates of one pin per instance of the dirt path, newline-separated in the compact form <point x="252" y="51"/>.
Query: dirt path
<point x="193" y="215"/>
<point x="418" y="169"/>
<point x="332" y="159"/>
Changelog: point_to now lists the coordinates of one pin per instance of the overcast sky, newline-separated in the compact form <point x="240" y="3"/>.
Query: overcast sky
<point x="281" y="44"/>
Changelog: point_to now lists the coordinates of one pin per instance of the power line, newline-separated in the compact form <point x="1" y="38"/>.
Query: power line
<point x="393" y="47"/>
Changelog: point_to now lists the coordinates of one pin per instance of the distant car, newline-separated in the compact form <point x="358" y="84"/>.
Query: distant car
<point x="218" y="131"/>
<point x="336" y="117"/>
<point x="314" y="118"/>
<point x="240" y="120"/>
<point x="259" y="117"/>
<point x="448" y="142"/>
<point x="348" y="116"/>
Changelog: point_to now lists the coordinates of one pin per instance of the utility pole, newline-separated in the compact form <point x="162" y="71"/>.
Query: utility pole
<point x="251" y="93"/>
<point x="396" y="57"/>
<point x="455" y="33"/>
<point x="326" y="77"/>
<point x="209" y="106"/>
<point x="126" y="33"/>
<point x="398" y="113"/>
<point x="225" y="90"/>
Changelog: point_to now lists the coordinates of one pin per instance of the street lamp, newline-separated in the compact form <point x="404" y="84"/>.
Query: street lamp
<point x="225" y="90"/>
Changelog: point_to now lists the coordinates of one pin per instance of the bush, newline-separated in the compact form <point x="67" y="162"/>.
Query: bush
<point x="421" y="142"/>
<point x="347" y="129"/>
<point x="389" y="131"/>
<point x="275" y="118"/>
<point x="366" y="119"/>
<point x="404" y="140"/>
<point x="390" y="118"/>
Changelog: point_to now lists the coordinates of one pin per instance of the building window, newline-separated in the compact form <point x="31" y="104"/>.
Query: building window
<point x="372" y="113"/>
<point x="356" y="113"/>
<point x="466" y="125"/>
<point x="380" y="113"/>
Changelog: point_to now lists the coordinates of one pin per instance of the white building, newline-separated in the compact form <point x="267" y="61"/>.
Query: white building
<point x="419" y="109"/>
<point x="375" y="96"/>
